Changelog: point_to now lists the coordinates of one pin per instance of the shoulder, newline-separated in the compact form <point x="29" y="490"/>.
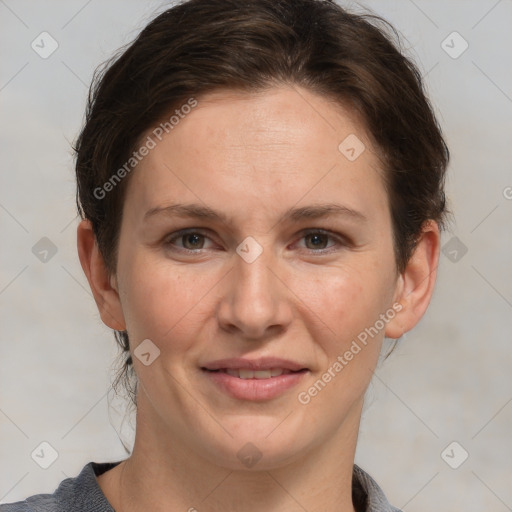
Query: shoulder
<point x="36" y="503"/>
<point x="81" y="493"/>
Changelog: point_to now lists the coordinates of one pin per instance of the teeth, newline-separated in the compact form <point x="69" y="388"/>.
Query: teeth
<point x="244" y="373"/>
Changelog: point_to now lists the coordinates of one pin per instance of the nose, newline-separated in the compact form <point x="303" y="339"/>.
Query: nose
<point x="255" y="302"/>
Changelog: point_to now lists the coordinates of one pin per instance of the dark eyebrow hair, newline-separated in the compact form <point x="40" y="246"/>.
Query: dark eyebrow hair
<point x="295" y="214"/>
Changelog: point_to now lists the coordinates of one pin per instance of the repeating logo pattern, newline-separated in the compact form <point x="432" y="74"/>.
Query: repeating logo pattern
<point x="48" y="426"/>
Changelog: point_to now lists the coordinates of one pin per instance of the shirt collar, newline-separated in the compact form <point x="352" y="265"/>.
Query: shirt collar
<point x="367" y="495"/>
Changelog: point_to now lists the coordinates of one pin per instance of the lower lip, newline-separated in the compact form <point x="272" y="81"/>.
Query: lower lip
<point x="255" y="389"/>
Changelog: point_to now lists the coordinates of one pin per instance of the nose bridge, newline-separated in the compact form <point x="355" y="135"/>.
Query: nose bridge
<point x="253" y="277"/>
<point x="254" y="300"/>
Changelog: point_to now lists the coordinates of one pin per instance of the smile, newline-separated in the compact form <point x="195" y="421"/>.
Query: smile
<point x="246" y="373"/>
<point x="254" y="385"/>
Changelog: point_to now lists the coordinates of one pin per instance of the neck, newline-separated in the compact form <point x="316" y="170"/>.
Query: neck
<point x="161" y="473"/>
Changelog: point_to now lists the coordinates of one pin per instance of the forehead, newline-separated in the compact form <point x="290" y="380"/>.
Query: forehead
<point x="274" y="147"/>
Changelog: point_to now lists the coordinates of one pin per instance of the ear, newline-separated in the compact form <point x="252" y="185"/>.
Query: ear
<point x="415" y="285"/>
<point x="103" y="287"/>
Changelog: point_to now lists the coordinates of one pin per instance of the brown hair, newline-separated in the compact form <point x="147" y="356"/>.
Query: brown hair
<point x="200" y="46"/>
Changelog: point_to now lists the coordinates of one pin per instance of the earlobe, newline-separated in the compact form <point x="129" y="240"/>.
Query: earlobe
<point x="416" y="284"/>
<point x="103" y="286"/>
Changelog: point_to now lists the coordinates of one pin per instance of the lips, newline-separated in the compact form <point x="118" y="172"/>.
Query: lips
<point x="254" y="379"/>
<point x="255" y="365"/>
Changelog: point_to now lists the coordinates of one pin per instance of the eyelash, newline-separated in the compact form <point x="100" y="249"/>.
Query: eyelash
<point x="180" y="234"/>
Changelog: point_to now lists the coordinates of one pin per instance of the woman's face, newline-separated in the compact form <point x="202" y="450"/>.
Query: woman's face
<point x="249" y="232"/>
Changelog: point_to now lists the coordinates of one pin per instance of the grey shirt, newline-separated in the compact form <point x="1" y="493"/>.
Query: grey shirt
<point x="83" y="494"/>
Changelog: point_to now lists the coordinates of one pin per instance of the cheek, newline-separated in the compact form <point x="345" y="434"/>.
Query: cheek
<point x="344" y="300"/>
<point x="343" y="308"/>
<point x="160" y="300"/>
<point x="347" y="305"/>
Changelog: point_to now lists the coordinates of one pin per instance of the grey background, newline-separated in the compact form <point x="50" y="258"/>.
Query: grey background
<point x="450" y="378"/>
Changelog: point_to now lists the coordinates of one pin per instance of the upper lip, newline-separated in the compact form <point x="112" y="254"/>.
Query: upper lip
<point x="264" y="363"/>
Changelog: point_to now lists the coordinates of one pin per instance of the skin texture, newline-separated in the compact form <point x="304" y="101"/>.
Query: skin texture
<point x="253" y="157"/>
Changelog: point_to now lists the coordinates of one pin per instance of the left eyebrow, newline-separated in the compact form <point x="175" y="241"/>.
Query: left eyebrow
<point x="198" y="211"/>
<point x="324" y="210"/>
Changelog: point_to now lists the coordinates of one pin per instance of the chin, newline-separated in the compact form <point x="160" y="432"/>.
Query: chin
<point x="250" y="450"/>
